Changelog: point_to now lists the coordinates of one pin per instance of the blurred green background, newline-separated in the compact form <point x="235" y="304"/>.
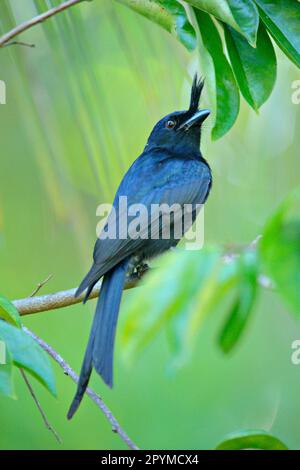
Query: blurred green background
<point x="80" y="106"/>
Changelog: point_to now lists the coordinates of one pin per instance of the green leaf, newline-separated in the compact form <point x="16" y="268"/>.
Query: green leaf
<point x="243" y="304"/>
<point x="6" y="379"/>
<point x="282" y="18"/>
<point x="27" y="353"/>
<point x="251" y="439"/>
<point x="212" y="292"/>
<point x="187" y="287"/>
<point x="246" y="15"/>
<point x="254" y="69"/>
<point x="182" y="28"/>
<point x="242" y="15"/>
<point x="174" y="286"/>
<point x="226" y="90"/>
<point x="9" y="312"/>
<point x="170" y="15"/>
<point x="280" y="250"/>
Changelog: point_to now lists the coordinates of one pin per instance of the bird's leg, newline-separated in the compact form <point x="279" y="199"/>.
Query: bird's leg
<point x="136" y="267"/>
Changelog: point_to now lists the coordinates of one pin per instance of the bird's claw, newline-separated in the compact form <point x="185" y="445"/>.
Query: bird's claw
<point x="141" y="269"/>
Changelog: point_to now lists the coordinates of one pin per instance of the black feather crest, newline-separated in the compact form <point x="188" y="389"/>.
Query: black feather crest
<point x="196" y="91"/>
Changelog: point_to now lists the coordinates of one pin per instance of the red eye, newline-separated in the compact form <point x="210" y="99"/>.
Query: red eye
<point x="170" y="124"/>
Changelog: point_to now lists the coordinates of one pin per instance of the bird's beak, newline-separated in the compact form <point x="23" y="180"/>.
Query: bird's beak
<point x="196" y="119"/>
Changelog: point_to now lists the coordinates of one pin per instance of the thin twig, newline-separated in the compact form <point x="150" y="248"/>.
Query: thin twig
<point x="94" y="397"/>
<point x="40" y="285"/>
<point x="45" y="419"/>
<point x="18" y="43"/>
<point x="6" y="38"/>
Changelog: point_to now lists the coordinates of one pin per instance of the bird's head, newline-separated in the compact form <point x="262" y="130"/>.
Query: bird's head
<point x="181" y="129"/>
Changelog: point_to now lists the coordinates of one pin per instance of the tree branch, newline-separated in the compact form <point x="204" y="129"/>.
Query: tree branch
<point x="65" y="298"/>
<point x="61" y="299"/>
<point x="93" y="396"/>
<point x="36" y="20"/>
<point x="147" y="8"/>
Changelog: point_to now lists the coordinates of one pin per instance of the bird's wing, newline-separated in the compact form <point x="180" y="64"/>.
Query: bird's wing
<point x="178" y="188"/>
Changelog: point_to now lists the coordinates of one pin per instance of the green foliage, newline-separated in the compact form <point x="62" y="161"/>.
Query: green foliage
<point x="170" y="15"/>
<point x="175" y="286"/>
<point x="246" y="287"/>
<point x="21" y="350"/>
<point x="282" y="19"/>
<point x="26" y="353"/>
<point x="280" y="250"/>
<point x="6" y="377"/>
<point x="9" y="312"/>
<point x="246" y="15"/>
<point x="254" y="68"/>
<point x="249" y="47"/>
<point x="240" y="15"/>
<point x="221" y="75"/>
<point x="251" y="439"/>
<point x="182" y="28"/>
<point x="187" y="287"/>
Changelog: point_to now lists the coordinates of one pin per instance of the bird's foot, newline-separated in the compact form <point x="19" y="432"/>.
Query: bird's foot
<point x="141" y="269"/>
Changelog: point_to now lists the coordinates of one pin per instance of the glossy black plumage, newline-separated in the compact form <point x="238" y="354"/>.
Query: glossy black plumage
<point x="170" y="170"/>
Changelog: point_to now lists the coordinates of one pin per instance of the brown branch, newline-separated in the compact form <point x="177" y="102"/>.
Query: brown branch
<point x="39" y="406"/>
<point x="61" y="299"/>
<point x="6" y="38"/>
<point x="94" y="397"/>
<point x="65" y="298"/>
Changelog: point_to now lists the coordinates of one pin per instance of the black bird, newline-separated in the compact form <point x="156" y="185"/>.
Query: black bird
<point x="170" y="170"/>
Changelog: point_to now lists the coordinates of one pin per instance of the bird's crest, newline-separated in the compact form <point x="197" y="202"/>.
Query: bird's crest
<point x="196" y="91"/>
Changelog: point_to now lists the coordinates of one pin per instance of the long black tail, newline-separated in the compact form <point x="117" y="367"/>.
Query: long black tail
<point x="100" y="348"/>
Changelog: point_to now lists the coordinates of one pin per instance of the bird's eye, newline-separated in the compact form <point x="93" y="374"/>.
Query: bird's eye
<point x="170" y="124"/>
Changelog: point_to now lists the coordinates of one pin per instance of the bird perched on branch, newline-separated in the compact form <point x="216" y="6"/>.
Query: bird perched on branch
<point x="171" y="170"/>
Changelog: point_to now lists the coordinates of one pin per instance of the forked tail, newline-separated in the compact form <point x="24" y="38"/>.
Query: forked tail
<point x="100" y="348"/>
